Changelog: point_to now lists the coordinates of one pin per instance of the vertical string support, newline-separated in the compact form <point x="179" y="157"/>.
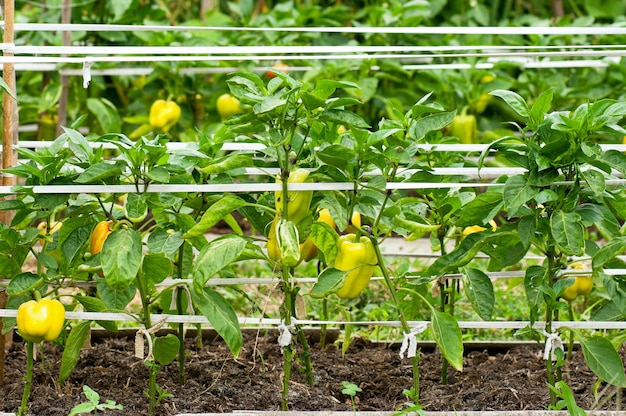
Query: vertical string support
<point x="9" y="143"/>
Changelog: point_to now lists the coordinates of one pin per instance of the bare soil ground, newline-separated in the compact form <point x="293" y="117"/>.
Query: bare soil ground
<point x="497" y="379"/>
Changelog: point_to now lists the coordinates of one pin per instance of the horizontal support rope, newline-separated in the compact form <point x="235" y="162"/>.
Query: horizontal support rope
<point x="254" y="321"/>
<point x="243" y="146"/>
<point x="421" y="30"/>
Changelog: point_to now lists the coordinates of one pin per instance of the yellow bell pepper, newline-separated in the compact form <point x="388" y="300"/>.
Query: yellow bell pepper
<point x="358" y="258"/>
<point x="40" y="321"/>
<point x="298" y="202"/>
<point x="99" y="235"/>
<point x="164" y="114"/>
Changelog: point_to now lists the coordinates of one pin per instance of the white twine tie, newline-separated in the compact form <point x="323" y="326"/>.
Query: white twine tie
<point x="409" y="343"/>
<point x="185" y="289"/>
<point x="284" y="336"/>
<point x="553" y="343"/>
<point x="146" y="334"/>
<point x="87" y="71"/>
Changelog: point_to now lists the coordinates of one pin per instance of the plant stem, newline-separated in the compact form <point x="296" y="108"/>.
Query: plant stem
<point x="181" y="326"/>
<point x="570" y="344"/>
<point x="287" y="351"/>
<point x="28" y="378"/>
<point x="145" y="303"/>
<point x="323" y="327"/>
<point x="181" y="337"/>
<point x="405" y="325"/>
<point x="549" y="316"/>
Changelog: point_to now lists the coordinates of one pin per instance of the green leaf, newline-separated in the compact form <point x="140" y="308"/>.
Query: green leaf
<point x="106" y="114"/>
<point x="165" y="241"/>
<point x="218" y="254"/>
<point x="603" y="359"/>
<point x="516" y="193"/>
<point x="329" y="281"/>
<point x="74" y="235"/>
<point x="513" y="100"/>
<point x="229" y="162"/>
<point x="269" y="103"/>
<point x="80" y="145"/>
<point x="595" y="180"/>
<point x="568" y="232"/>
<point x="121" y="258"/>
<point x="347" y="118"/>
<point x="115" y="299"/>
<point x="533" y="281"/>
<point x="216" y="212"/>
<point x="336" y="155"/>
<point x="71" y="352"/>
<point x="325" y="239"/>
<point x="136" y="207"/>
<point x="221" y="315"/>
<point x="24" y="282"/>
<point x="98" y="172"/>
<point x="92" y="304"/>
<point x="156" y="267"/>
<point x="479" y="290"/>
<point x="480" y="210"/>
<point x="433" y="122"/>
<point x="447" y="335"/>
<point x="165" y="348"/>
<point x="5" y="87"/>
<point x="540" y="107"/>
<point x="608" y="252"/>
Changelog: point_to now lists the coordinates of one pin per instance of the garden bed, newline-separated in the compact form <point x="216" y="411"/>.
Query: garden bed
<point x="494" y="378"/>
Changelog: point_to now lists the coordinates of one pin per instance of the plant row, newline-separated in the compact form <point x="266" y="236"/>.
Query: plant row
<point x="566" y="206"/>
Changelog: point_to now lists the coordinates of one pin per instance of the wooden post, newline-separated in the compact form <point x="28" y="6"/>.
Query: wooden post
<point x="9" y="139"/>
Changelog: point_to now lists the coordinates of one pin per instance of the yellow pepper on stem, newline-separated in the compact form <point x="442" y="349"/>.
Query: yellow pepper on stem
<point x="164" y="114"/>
<point x="355" y="255"/>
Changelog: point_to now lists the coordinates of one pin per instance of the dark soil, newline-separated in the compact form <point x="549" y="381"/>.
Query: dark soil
<point x="495" y="379"/>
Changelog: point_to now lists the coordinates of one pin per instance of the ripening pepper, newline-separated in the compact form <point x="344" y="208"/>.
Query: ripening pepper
<point x="298" y="201"/>
<point x="581" y="287"/>
<point x="227" y="106"/>
<point x="282" y="243"/>
<point x="164" y="114"/>
<point x="464" y="127"/>
<point x="42" y="320"/>
<point x="357" y="257"/>
<point x="99" y="235"/>
<point x="483" y="100"/>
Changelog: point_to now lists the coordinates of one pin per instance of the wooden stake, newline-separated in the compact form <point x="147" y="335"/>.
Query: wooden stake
<point x="9" y="141"/>
<point x="66" y="37"/>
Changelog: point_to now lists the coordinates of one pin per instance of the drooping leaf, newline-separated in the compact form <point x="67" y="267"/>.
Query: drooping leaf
<point x="216" y="212"/>
<point x="447" y="334"/>
<point x="329" y="281"/>
<point x="73" y="345"/>
<point x="221" y="316"/>
<point x="603" y="359"/>
<point x="218" y="254"/>
<point x="478" y="288"/>
<point x="568" y="232"/>
<point x="165" y="348"/>
<point x="121" y="258"/>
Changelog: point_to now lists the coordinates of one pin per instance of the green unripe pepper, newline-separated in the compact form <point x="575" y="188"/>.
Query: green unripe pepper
<point x="464" y="127"/>
<point x="358" y="257"/>
<point x="298" y="201"/>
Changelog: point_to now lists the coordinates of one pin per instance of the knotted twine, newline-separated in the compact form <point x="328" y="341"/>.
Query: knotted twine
<point x="284" y="334"/>
<point x="87" y="64"/>
<point x="185" y="289"/>
<point x="146" y="334"/>
<point x="409" y="343"/>
<point x="553" y="343"/>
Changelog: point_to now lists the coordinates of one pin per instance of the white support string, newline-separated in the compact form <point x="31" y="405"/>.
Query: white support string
<point x="245" y="321"/>
<point x="87" y="64"/>
<point x="285" y="333"/>
<point x="403" y="30"/>
<point x="409" y="342"/>
<point x="553" y="343"/>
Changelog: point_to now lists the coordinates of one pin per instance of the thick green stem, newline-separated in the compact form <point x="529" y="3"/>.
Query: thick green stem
<point x="403" y="321"/>
<point x="323" y="326"/>
<point x="181" y="326"/>
<point x="181" y="337"/>
<point x="147" y="322"/>
<point x="549" y="318"/>
<point x="570" y="344"/>
<point x="287" y="351"/>
<point x="28" y="378"/>
<point x="446" y="296"/>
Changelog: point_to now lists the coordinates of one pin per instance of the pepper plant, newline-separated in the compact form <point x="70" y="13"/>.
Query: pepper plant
<point x="565" y="191"/>
<point x="376" y="163"/>
<point x="129" y="243"/>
